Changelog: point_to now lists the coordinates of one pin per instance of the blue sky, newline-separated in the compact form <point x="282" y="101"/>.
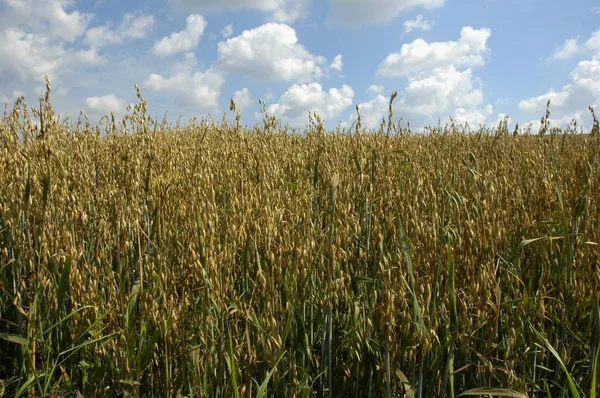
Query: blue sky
<point x="474" y="61"/>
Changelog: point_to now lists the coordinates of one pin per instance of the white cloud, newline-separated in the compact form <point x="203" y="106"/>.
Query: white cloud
<point x="242" y="98"/>
<point x="431" y="96"/>
<point x="5" y="98"/>
<point x="436" y="86"/>
<point x="573" y="46"/>
<point x="135" y="26"/>
<point x="286" y="11"/>
<point x="131" y="27"/>
<point x="361" y="12"/>
<point x="562" y="122"/>
<point x="187" y="87"/>
<point x="51" y="16"/>
<point x="593" y="43"/>
<point x="227" y="31"/>
<point x="538" y="104"/>
<point x="587" y="76"/>
<point x="375" y="89"/>
<point x="420" y="55"/>
<point x="569" y="48"/>
<point x="475" y="117"/>
<point x="533" y="126"/>
<point x="268" y="95"/>
<point x="270" y="52"/>
<point x="293" y="106"/>
<point x="500" y="118"/>
<point x="290" y="11"/>
<point x="28" y="55"/>
<point x="582" y="90"/>
<point x="105" y="104"/>
<point x="90" y="56"/>
<point x="424" y="101"/>
<point x="34" y="34"/>
<point x="372" y="112"/>
<point x="417" y="23"/>
<point x="184" y="40"/>
<point x="337" y="63"/>
<point x="596" y="9"/>
<point x="472" y="96"/>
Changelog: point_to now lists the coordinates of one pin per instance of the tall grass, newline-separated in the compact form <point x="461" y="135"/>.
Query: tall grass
<point x="211" y="259"/>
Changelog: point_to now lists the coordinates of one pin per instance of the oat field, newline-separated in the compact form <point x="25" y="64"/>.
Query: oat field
<point x="207" y="259"/>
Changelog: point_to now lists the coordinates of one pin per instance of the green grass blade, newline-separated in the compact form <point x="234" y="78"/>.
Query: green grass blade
<point x="572" y="386"/>
<point x="262" y="390"/>
<point x="27" y="384"/>
<point x="65" y="318"/>
<point x="452" y="291"/>
<point x="232" y="367"/>
<point x="495" y="392"/>
<point x="64" y="281"/>
<point x="594" y="390"/>
<point x="409" y="265"/>
<point x="13" y="338"/>
<point x="149" y="350"/>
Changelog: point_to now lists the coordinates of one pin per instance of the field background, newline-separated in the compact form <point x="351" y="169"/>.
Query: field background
<point x="211" y="259"/>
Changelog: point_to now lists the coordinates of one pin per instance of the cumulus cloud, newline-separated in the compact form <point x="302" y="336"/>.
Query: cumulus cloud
<point x="538" y="104"/>
<point x="268" y="95"/>
<point x="360" y="12"/>
<point x="13" y="97"/>
<point x="28" y="55"/>
<point x="90" y="56"/>
<point x="293" y="106"/>
<point x="51" y="16"/>
<point x="436" y="86"/>
<point x="242" y="98"/>
<point x="188" y="87"/>
<point x="573" y="46"/>
<point x="337" y="63"/>
<point x="593" y="43"/>
<point x="105" y="104"/>
<point x="499" y="119"/>
<point x="568" y="49"/>
<point x="39" y="38"/>
<point x="132" y="26"/>
<point x="571" y="102"/>
<point x="425" y="99"/>
<point x="420" y="55"/>
<point x="586" y="75"/>
<point x="227" y="31"/>
<point x="286" y="11"/>
<point x="375" y="89"/>
<point x="35" y="35"/>
<point x="184" y="40"/>
<point x="417" y="23"/>
<point x="562" y="122"/>
<point x="474" y="117"/>
<point x="270" y="52"/>
<point x="372" y="111"/>
<point x="581" y="90"/>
